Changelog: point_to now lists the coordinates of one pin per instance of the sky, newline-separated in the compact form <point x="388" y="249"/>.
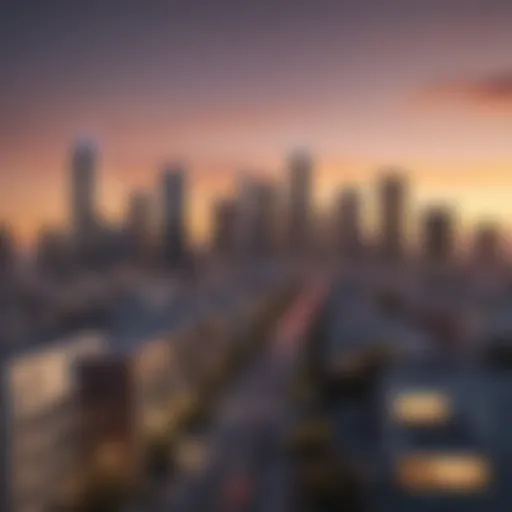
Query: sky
<point x="230" y="85"/>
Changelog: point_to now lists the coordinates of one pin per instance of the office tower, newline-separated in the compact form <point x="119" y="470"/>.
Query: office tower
<point x="53" y="252"/>
<point x="83" y="189"/>
<point x="438" y="235"/>
<point x="256" y="231"/>
<point x="299" y="201"/>
<point x="7" y="250"/>
<point x="348" y="224"/>
<point x="174" y="215"/>
<point x="111" y="245"/>
<point x="225" y="218"/>
<point x="246" y="208"/>
<point x="486" y="245"/>
<point x="392" y="192"/>
<point x="264" y="223"/>
<point x="138" y="227"/>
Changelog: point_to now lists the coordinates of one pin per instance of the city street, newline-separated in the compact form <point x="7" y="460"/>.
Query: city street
<point x="243" y="465"/>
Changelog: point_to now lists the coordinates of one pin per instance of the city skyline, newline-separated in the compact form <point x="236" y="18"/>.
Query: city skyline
<point x="371" y="207"/>
<point x="366" y="84"/>
<point x="255" y="255"/>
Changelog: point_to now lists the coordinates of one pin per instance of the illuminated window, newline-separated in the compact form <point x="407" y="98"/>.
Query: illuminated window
<point x="464" y="473"/>
<point x="420" y="408"/>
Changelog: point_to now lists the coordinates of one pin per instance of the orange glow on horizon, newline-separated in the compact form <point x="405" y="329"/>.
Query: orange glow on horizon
<point x="478" y="190"/>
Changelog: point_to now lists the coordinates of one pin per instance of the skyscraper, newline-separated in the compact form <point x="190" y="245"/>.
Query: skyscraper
<point x="438" y="235"/>
<point x="53" y="254"/>
<point x="348" y="223"/>
<point x="83" y="215"/>
<point x="486" y="246"/>
<point x="7" y="250"/>
<point x="299" y="200"/>
<point x="256" y="231"/>
<point x="138" y="227"/>
<point x="225" y="218"/>
<point x="246" y="208"/>
<point x="174" y="215"/>
<point x="264" y="224"/>
<point x="392" y="192"/>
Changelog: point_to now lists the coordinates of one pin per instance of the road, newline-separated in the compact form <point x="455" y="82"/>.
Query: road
<point x="245" y="468"/>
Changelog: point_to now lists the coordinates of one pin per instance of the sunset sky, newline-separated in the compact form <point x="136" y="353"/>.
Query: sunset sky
<point x="236" y="84"/>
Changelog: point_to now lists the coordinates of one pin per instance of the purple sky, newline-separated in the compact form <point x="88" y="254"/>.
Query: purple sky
<point x="226" y="84"/>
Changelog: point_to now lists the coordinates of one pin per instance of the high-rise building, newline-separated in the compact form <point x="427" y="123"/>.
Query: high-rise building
<point x="174" y="215"/>
<point x="348" y="223"/>
<point x="83" y="190"/>
<point x="264" y="224"/>
<point x="392" y="195"/>
<point x="256" y="231"/>
<point x="300" y="169"/>
<point x="53" y="252"/>
<point x="7" y="250"/>
<point x="246" y="208"/>
<point x="438" y="235"/>
<point x="138" y="227"/>
<point x="486" y="246"/>
<point x="225" y="218"/>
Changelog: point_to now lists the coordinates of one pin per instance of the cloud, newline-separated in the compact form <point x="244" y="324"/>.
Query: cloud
<point x="493" y="91"/>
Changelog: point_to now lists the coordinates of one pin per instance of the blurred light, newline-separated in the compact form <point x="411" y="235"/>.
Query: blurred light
<point x="193" y="455"/>
<point x="110" y="457"/>
<point x="464" y="473"/>
<point x="421" y="408"/>
<point x="156" y="421"/>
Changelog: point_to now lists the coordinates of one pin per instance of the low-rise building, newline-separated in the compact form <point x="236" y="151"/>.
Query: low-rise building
<point x="40" y="423"/>
<point x="437" y="445"/>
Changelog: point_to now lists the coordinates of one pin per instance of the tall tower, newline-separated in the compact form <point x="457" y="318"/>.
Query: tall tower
<point x="174" y="211"/>
<point x="83" y="190"/>
<point x="224" y="225"/>
<point x="487" y="244"/>
<point x="264" y="229"/>
<point x="392" y="192"/>
<point x="246" y="208"/>
<point x="52" y="252"/>
<point x="138" y="227"/>
<point x="7" y="250"/>
<point x="438" y="238"/>
<point x="348" y="223"/>
<point x="301" y="166"/>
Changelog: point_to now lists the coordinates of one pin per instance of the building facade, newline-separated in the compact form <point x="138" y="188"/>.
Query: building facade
<point x="392" y="196"/>
<point x="174" y="215"/>
<point x="438" y="238"/>
<point x="138" y="228"/>
<point x="299" y="197"/>
<point x="40" y="424"/>
<point x="83" y="220"/>
<point x="348" y="224"/>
